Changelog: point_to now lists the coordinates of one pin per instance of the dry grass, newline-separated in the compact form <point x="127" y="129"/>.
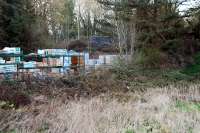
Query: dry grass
<point x="154" y="111"/>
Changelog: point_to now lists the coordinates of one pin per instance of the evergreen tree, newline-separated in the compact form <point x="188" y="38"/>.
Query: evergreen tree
<point x="160" y="28"/>
<point x="12" y="21"/>
<point x="17" y="25"/>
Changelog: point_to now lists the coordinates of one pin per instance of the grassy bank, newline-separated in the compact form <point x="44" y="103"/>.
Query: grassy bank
<point x="128" y="100"/>
<point x="156" y="111"/>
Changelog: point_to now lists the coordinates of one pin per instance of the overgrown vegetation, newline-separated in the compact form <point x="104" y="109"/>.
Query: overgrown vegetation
<point x="20" y="26"/>
<point x="156" y="91"/>
<point x="164" y="36"/>
<point x="188" y="106"/>
<point x="162" y="110"/>
<point x="193" y="69"/>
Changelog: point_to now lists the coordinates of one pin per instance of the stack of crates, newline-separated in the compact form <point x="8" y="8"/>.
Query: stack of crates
<point x="31" y="64"/>
<point x="53" y="52"/>
<point x="2" y="61"/>
<point x="16" y="51"/>
<point x="12" y="50"/>
<point x="15" y="60"/>
<point x="8" y="68"/>
<point x="14" y="54"/>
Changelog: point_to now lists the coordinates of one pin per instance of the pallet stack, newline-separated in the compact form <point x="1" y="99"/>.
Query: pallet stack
<point x="9" y="60"/>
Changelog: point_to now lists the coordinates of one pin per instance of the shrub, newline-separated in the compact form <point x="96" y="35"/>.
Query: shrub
<point x="150" y="58"/>
<point x="176" y="75"/>
<point x="194" y="69"/>
<point x="187" y="106"/>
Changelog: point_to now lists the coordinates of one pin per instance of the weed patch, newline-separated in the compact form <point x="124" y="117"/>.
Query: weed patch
<point x="187" y="106"/>
<point x="129" y="131"/>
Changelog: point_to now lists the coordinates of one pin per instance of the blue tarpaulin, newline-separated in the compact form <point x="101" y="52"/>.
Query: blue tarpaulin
<point x="99" y="41"/>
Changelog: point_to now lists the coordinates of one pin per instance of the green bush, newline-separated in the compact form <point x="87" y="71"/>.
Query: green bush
<point x="187" y="106"/>
<point x="194" y="69"/>
<point x="150" y="57"/>
<point x="139" y="58"/>
<point x="176" y="75"/>
<point x="122" y="69"/>
<point x="172" y="45"/>
<point x="11" y="131"/>
<point x="130" y="131"/>
<point x="6" y="105"/>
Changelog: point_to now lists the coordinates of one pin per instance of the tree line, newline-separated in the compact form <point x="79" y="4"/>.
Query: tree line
<point x="33" y="24"/>
<point x="157" y="31"/>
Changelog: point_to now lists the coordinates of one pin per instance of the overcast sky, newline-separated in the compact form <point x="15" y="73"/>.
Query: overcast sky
<point x="189" y="4"/>
<point x="91" y="4"/>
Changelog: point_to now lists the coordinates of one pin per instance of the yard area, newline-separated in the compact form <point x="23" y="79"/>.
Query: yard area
<point x="99" y="103"/>
<point x="99" y="66"/>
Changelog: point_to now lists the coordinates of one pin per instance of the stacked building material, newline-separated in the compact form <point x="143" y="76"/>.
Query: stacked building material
<point x="31" y="64"/>
<point x="86" y="57"/>
<point x="55" y="52"/>
<point x="41" y="52"/>
<point x="8" y="68"/>
<point x="67" y="62"/>
<point x="52" y="52"/>
<point x="2" y="61"/>
<point x="55" y="62"/>
<point x="12" y="55"/>
<point x="73" y="53"/>
<point x="110" y="59"/>
<point x="14" y="60"/>
<point x="12" y="50"/>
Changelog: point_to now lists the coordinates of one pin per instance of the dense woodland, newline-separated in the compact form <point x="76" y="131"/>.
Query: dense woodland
<point x="157" y="33"/>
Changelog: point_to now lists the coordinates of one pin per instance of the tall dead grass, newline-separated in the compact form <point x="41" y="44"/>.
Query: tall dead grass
<point x="154" y="111"/>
